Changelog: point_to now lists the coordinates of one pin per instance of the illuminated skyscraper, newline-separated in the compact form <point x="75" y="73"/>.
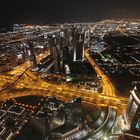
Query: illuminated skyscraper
<point x="56" y="54"/>
<point x="50" y="44"/>
<point x="78" y="54"/>
<point x="132" y="115"/>
<point x="32" y="55"/>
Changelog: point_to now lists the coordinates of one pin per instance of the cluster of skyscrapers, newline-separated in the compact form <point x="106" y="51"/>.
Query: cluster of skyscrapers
<point x="65" y="47"/>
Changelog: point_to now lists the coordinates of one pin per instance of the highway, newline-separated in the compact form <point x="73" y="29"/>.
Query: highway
<point x="13" y="75"/>
<point x="108" y="88"/>
<point x="33" y="85"/>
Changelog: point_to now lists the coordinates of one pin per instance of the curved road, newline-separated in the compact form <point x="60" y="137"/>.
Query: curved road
<point x="32" y="85"/>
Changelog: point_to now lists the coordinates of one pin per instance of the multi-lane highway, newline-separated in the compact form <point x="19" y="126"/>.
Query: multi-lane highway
<point x="32" y="85"/>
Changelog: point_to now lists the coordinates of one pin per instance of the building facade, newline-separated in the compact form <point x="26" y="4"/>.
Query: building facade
<point x="132" y="115"/>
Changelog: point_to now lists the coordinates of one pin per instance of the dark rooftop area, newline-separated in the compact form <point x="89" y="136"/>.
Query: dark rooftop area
<point x="64" y="129"/>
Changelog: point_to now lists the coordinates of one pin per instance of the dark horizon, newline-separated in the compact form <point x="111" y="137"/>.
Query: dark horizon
<point x="62" y="11"/>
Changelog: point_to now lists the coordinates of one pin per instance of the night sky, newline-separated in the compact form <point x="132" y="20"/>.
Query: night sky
<point x="52" y="11"/>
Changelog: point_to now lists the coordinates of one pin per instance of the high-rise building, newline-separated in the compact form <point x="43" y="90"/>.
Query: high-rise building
<point x="32" y="56"/>
<point x="132" y="115"/>
<point x="62" y="44"/>
<point x="50" y="44"/>
<point x="56" y="54"/>
<point x="66" y="54"/>
<point x="78" y="54"/>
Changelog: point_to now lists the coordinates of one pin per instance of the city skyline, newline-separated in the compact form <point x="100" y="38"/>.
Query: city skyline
<point x="54" y="76"/>
<point x="69" y="70"/>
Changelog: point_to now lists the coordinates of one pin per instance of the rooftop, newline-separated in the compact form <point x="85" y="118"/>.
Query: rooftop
<point x="16" y="110"/>
<point x="64" y="129"/>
